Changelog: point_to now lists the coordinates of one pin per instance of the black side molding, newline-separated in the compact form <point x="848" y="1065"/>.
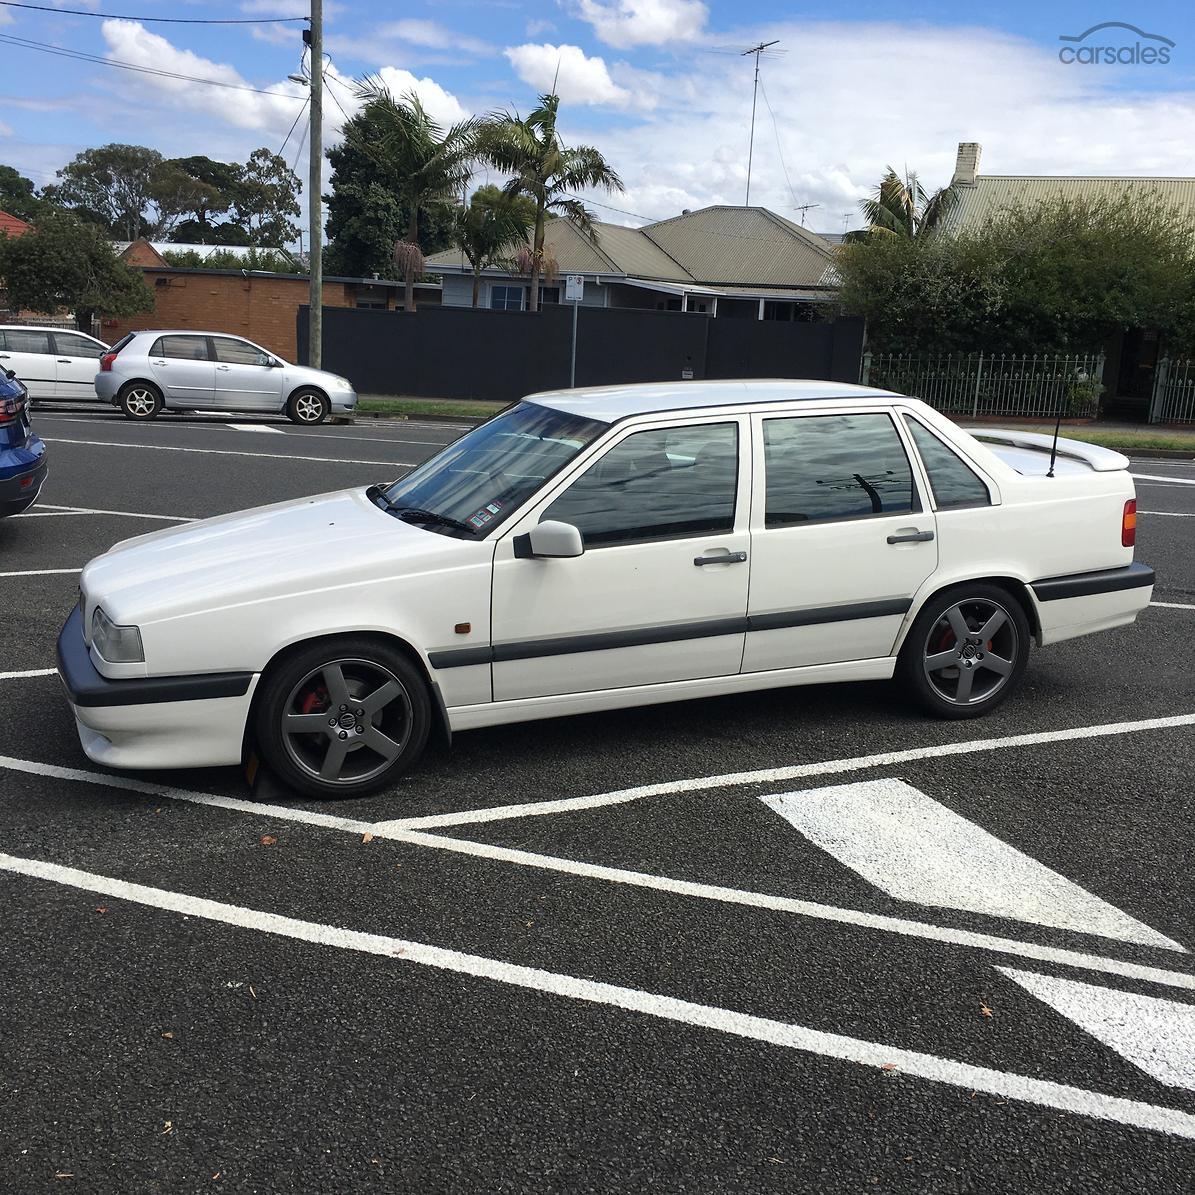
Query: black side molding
<point x="88" y="687"/>
<point x="1112" y="580"/>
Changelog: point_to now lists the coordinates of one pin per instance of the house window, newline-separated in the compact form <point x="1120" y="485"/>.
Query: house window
<point x="506" y="298"/>
<point x="547" y="294"/>
<point x="371" y="298"/>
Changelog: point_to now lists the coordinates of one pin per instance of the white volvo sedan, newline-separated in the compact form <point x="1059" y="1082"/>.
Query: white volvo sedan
<point x="591" y="549"/>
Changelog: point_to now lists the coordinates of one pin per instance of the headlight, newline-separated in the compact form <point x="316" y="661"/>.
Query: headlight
<point x="117" y="645"/>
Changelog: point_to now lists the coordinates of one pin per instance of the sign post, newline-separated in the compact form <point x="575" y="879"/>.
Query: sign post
<point x="574" y="291"/>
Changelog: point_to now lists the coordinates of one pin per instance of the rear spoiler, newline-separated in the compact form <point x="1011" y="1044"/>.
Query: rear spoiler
<point x="1102" y="460"/>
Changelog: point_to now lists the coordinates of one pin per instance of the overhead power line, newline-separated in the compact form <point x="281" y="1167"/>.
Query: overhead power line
<point x="80" y="55"/>
<point x="114" y="16"/>
<point x="611" y="208"/>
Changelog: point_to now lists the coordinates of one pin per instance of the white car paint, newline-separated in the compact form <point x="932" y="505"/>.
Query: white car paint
<point x="51" y="362"/>
<point x="226" y="595"/>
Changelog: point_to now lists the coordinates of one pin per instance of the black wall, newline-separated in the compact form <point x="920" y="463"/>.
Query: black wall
<point x="460" y="352"/>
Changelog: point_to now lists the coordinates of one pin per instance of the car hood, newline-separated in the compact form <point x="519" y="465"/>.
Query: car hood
<point x="253" y="555"/>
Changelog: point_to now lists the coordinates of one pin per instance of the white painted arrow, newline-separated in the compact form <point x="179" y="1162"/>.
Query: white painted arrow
<point x="1155" y="1035"/>
<point x="916" y="849"/>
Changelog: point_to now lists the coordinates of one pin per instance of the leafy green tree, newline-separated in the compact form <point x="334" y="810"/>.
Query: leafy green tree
<point x="67" y="264"/>
<point x="902" y="207"/>
<point x="424" y="165"/>
<point x="216" y="189"/>
<point x="265" y="200"/>
<point x="18" y="195"/>
<point x="545" y="170"/>
<point x="116" y="185"/>
<point x="493" y="223"/>
<point x="256" y="259"/>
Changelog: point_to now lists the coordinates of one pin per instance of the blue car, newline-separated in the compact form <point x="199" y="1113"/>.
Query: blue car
<point x="22" y="454"/>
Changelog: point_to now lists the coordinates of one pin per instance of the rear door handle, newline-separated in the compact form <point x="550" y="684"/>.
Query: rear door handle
<point x="912" y="537"/>
<point x="159" y="362"/>
<point x="223" y="367"/>
<point x="728" y="558"/>
<point x="64" y="360"/>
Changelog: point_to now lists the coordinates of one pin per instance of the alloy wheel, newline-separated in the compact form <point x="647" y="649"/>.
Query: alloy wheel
<point x="141" y="402"/>
<point x="347" y="721"/>
<point x="971" y="651"/>
<point x="309" y="408"/>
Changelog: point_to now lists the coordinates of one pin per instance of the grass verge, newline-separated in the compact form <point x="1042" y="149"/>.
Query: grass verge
<point x="461" y="408"/>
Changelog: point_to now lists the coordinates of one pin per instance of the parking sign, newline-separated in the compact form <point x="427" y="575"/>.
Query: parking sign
<point x="574" y="288"/>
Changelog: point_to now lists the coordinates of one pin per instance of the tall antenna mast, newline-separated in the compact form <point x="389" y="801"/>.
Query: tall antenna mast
<point x="757" y="51"/>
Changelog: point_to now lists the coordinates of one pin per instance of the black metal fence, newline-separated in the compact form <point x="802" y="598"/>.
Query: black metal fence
<point x="460" y="352"/>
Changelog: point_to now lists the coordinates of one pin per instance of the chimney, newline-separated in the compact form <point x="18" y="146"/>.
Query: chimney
<point x="966" y="164"/>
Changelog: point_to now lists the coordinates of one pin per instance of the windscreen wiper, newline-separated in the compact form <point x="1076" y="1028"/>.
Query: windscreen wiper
<point x="416" y="514"/>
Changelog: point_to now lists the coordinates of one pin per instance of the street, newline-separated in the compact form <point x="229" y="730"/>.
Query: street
<point x="797" y="940"/>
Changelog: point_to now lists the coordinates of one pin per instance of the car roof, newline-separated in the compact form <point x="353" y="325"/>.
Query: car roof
<point x="185" y="332"/>
<point x="611" y="403"/>
<point x="46" y="328"/>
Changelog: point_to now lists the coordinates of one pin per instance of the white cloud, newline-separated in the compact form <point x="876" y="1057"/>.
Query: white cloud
<point x="441" y="105"/>
<point x="537" y="28"/>
<point x="5" y="129"/>
<point x="576" y="77"/>
<point x="626" y="23"/>
<point x="431" y="35"/>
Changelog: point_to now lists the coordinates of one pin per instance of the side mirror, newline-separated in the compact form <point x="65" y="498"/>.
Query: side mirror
<point x="549" y="541"/>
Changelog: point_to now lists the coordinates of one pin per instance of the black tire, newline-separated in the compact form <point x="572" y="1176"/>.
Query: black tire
<point x="966" y="675"/>
<point x="308" y="407"/>
<point x="342" y="747"/>
<point x="140" y="401"/>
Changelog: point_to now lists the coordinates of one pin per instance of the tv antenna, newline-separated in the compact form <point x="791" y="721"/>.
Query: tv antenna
<point x="757" y="51"/>
<point x="803" y="208"/>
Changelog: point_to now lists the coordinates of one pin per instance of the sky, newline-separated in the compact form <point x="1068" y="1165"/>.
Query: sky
<point x="659" y="86"/>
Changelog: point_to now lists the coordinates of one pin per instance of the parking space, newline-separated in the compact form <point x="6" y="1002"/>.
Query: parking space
<point x="799" y="940"/>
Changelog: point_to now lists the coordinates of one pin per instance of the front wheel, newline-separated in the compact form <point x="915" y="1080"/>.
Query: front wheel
<point x="343" y="718"/>
<point x="308" y="407"/>
<point x="140" y="400"/>
<point x="966" y="651"/>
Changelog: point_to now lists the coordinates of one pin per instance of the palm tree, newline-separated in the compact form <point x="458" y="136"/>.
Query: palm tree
<point x="901" y="207"/>
<point x="425" y="164"/>
<point x="492" y="223"/>
<point x="545" y="170"/>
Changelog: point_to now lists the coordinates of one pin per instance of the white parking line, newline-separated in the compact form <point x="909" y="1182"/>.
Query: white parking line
<point x="775" y="775"/>
<point x="127" y="514"/>
<point x="1171" y="514"/>
<point x="41" y="572"/>
<point x="278" y="456"/>
<point x="256" y="427"/>
<point x="1169" y="478"/>
<point x="29" y="673"/>
<point x="905" y="927"/>
<point x="1173" y="605"/>
<point x="1044" y="1093"/>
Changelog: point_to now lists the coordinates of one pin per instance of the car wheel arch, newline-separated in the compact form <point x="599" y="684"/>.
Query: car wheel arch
<point x="307" y="388"/>
<point x="1017" y="589"/>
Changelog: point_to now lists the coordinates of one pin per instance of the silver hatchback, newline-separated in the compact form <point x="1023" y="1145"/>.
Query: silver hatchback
<point x="148" y="372"/>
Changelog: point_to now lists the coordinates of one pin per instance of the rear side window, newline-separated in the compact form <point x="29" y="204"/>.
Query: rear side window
<point x="70" y="345"/>
<point x="831" y="467"/>
<point x="122" y="342"/>
<point x="26" y="340"/>
<point x="668" y="484"/>
<point x="952" y="480"/>
<point x="184" y="348"/>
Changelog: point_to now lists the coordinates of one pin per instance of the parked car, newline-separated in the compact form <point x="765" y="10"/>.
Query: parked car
<point x="595" y="549"/>
<point x="22" y="454"/>
<point x="148" y="372"/>
<point x="51" y="362"/>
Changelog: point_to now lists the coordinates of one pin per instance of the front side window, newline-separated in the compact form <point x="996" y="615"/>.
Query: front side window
<point x="231" y="351"/>
<point x="485" y="476"/>
<point x="953" y="482"/>
<point x="830" y="467"/>
<point x="71" y="345"/>
<point x="669" y="484"/>
<point x="506" y="298"/>
<point x="181" y="348"/>
<point x="25" y="340"/>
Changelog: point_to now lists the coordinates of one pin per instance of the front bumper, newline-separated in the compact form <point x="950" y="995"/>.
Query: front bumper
<point x="153" y="721"/>
<point x="344" y="402"/>
<point x="19" y="488"/>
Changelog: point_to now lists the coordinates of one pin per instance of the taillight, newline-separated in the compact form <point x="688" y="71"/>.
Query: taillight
<point x="106" y="362"/>
<point x="11" y="409"/>
<point x="1128" y="524"/>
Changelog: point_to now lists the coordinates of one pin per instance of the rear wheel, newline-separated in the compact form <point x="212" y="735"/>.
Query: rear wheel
<point x="343" y="718"/>
<point x="966" y="651"/>
<point x="140" y="400"/>
<point x="308" y="406"/>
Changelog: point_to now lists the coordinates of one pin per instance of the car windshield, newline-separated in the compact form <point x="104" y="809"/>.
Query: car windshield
<point x="476" y="482"/>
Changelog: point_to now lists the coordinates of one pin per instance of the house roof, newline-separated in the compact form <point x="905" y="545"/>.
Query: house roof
<point x="13" y="226"/>
<point x="715" y="246"/>
<point x="202" y="251"/>
<point x="991" y="193"/>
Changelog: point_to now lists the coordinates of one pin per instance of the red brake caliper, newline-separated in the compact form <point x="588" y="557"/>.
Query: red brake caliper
<point x="315" y="701"/>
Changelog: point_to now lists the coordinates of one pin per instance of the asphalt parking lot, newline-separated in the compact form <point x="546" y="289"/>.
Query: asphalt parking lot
<point x="719" y="946"/>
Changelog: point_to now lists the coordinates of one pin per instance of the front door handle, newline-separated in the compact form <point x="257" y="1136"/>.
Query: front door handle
<point x="728" y="558"/>
<point x="64" y="360"/>
<point x="912" y="537"/>
<point x="224" y="368"/>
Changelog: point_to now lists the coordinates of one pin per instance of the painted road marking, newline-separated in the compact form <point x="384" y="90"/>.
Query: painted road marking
<point x="277" y="456"/>
<point x="41" y="572"/>
<point x="1169" y="514"/>
<point x="777" y="775"/>
<point x="127" y="514"/>
<point x="1044" y="1093"/>
<point x="255" y="427"/>
<point x="29" y="673"/>
<point x="1173" y="605"/>
<point x="916" y="849"/>
<point x="1169" y="478"/>
<point x="905" y="927"/>
<point x="1155" y="1035"/>
<point x="53" y="514"/>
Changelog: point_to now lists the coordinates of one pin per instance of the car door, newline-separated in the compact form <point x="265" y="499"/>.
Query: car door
<point x="77" y="360"/>
<point x="660" y="592"/>
<point x="30" y="355"/>
<point x="842" y="538"/>
<point x="181" y="365"/>
<point x="247" y="378"/>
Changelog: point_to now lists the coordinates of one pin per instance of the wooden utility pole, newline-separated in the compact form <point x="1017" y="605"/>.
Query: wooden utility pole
<point x="315" y="327"/>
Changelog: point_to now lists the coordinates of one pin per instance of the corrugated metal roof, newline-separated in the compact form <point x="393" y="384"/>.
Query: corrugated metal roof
<point x="743" y="246"/>
<point x="993" y="192"/>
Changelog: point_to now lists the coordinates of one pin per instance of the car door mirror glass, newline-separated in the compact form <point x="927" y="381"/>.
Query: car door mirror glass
<point x="553" y="540"/>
